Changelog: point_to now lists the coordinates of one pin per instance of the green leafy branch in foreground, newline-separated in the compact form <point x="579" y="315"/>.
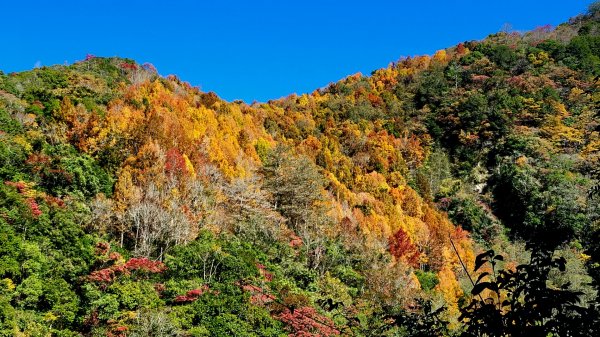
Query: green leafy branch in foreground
<point x="520" y="301"/>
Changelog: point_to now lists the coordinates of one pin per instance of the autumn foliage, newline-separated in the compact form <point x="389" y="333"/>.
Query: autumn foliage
<point x="401" y="247"/>
<point x="138" y="265"/>
<point x="345" y="204"/>
<point x="306" y="322"/>
<point x="191" y="295"/>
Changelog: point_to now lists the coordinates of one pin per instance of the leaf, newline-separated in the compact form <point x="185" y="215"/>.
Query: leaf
<point x="481" y="277"/>
<point x="478" y="288"/>
<point x="565" y="286"/>
<point x="482" y="258"/>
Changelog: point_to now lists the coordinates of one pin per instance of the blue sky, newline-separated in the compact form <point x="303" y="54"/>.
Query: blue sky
<point x="257" y="50"/>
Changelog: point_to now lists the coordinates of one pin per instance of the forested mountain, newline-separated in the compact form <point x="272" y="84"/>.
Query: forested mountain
<point x="133" y="204"/>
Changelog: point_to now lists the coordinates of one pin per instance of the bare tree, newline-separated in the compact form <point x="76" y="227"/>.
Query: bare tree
<point x="251" y="212"/>
<point x="155" y="324"/>
<point x="168" y="215"/>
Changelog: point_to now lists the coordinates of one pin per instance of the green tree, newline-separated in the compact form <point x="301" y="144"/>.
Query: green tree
<point x="297" y="189"/>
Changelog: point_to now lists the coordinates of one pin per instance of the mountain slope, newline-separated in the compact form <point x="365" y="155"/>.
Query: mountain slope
<point x="134" y="203"/>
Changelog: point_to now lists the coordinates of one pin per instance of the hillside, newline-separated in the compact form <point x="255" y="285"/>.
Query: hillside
<point x="134" y="204"/>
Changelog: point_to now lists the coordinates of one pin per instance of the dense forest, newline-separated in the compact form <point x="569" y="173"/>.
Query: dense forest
<point x="447" y="195"/>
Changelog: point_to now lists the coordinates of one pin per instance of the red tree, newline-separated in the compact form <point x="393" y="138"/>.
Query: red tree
<point x="175" y="164"/>
<point x="401" y="246"/>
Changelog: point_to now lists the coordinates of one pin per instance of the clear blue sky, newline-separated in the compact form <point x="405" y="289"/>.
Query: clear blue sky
<point x="257" y="50"/>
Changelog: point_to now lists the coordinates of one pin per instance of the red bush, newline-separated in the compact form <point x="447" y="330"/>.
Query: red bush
<point x="54" y="201"/>
<point x="295" y="241"/>
<point x="114" y="256"/>
<point x="264" y="273"/>
<point x="119" y="331"/>
<point x="33" y="207"/>
<point x="107" y="275"/>
<point x="102" y="276"/>
<point x="145" y="264"/>
<point x="183" y="299"/>
<point x="38" y="162"/>
<point x="258" y="295"/>
<point x="129" y="66"/>
<point x="191" y="295"/>
<point x="19" y="185"/>
<point x="306" y="322"/>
